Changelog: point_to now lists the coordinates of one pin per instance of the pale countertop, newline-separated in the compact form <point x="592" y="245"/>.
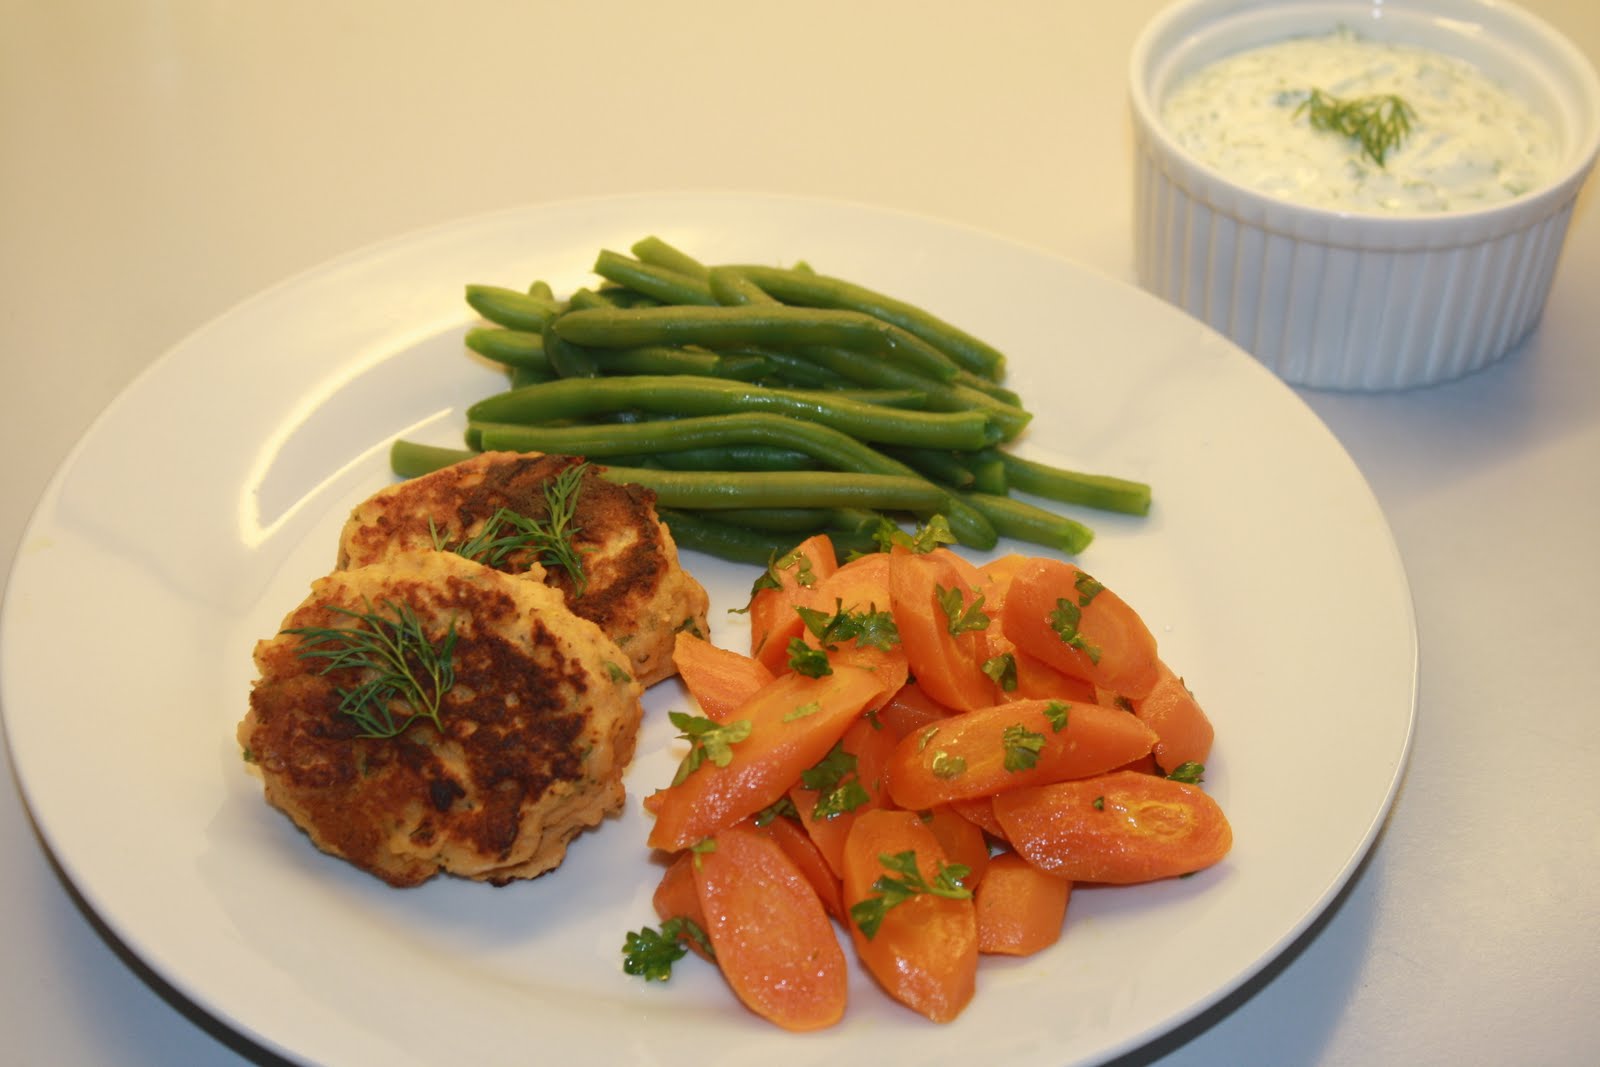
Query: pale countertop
<point x="163" y="161"/>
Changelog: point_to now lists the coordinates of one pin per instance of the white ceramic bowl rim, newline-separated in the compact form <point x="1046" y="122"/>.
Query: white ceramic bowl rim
<point x="1202" y="30"/>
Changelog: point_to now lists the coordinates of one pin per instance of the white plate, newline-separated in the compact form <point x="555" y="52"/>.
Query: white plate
<point x="201" y="504"/>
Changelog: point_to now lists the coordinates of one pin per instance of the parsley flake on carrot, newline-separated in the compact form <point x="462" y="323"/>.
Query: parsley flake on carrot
<point x="960" y="616"/>
<point x="708" y="740"/>
<point x="1064" y="621"/>
<point x="808" y="660"/>
<point x="1056" y="711"/>
<point x="1022" y="747"/>
<point x="1002" y="670"/>
<point x="837" y="784"/>
<point x="889" y="891"/>
<point x="947" y="766"/>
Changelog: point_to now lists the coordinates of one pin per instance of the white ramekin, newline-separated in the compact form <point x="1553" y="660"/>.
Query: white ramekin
<point x="1354" y="301"/>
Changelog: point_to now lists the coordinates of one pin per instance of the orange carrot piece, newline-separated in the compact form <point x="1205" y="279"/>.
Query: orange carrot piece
<point x="798" y="846"/>
<point x="773" y="941"/>
<point x="1119" y="828"/>
<point x="949" y="666"/>
<point x="1009" y="746"/>
<point x="793" y="721"/>
<point x="1019" y="908"/>
<point x="859" y="587"/>
<point x="963" y="841"/>
<point x="870" y="747"/>
<point x="1058" y="613"/>
<point x="772" y="617"/>
<point x="1183" y="731"/>
<point x="924" y="952"/>
<point x="979" y="811"/>
<point x="909" y="710"/>
<point x="675" y="898"/>
<point x="719" y="679"/>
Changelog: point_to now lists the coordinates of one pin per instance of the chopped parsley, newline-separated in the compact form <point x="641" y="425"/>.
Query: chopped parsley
<point x="650" y="953"/>
<point x="837" y="784"/>
<point x="889" y="891"/>
<point x="1191" y="772"/>
<point x="1022" y="747"/>
<point x="708" y="740"/>
<point x="961" y="617"/>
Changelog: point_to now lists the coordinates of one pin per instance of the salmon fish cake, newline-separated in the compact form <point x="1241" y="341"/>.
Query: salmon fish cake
<point x="512" y="739"/>
<point x="626" y="577"/>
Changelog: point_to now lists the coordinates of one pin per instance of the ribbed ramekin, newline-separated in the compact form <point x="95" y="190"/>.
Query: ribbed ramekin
<point x="1344" y="300"/>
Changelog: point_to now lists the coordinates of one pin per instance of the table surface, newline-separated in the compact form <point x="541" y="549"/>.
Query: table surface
<point x="164" y="160"/>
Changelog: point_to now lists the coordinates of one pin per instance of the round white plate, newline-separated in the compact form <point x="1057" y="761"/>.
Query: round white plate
<point x="202" y="503"/>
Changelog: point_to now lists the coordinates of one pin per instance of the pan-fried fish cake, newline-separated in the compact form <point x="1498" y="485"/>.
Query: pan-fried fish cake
<point x="631" y="582"/>
<point x="537" y="718"/>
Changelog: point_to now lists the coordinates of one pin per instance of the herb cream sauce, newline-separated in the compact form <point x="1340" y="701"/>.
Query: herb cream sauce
<point x="1472" y="141"/>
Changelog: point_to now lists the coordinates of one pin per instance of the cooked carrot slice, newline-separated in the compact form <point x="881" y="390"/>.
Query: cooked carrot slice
<point x="1183" y="731"/>
<point x="1020" y="908"/>
<point x="1060" y="614"/>
<point x="675" y="898"/>
<point x="854" y="773"/>
<point x="924" y="949"/>
<point x="1008" y="746"/>
<point x="938" y="613"/>
<point x="773" y="941"/>
<point x="798" y="846"/>
<point x="792" y="723"/>
<point x="772" y="617"/>
<point x="1121" y="827"/>
<point x="719" y="679"/>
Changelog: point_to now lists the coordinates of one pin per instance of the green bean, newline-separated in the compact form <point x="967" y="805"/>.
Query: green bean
<point x="658" y="253"/>
<point x="692" y="395"/>
<point x="521" y="376"/>
<point x="779" y="520"/>
<point x="514" y="348"/>
<point x="620" y="296"/>
<point x="776" y="325"/>
<point x="1025" y="522"/>
<point x="410" y="459"/>
<point x="820" y="291"/>
<point x="733" y="287"/>
<point x="1073" y="487"/>
<point x="667" y="359"/>
<point x="587" y="299"/>
<point x="667" y="286"/>
<point x="837" y="450"/>
<point x="567" y="359"/>
<point x="511" y="309"/>
<point x="734" y="458"/>
<point x="796" y="370"/>
<point x="940" y="465"/>
<point x="994" y="390"/>
<point x="941" y="396"/>
<point x="988" y="471"/>
<point x="725" y="540"/>
<point x="720" y="490"/>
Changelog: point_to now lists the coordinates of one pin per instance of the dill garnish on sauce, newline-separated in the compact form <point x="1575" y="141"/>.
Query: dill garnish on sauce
<point x="1379" y="123"/>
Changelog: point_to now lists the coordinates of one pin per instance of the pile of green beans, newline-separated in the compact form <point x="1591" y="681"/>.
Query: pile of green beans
<point x="765" y="404"/>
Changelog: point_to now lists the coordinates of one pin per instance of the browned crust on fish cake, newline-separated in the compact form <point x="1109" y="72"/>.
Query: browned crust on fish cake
<point x="536" y="730"/>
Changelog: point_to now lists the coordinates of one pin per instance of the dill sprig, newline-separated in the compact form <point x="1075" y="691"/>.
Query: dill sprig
<point x="508" y="532"/>
<point x="1379" y="123"/>
<point x="404" y="664"/>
